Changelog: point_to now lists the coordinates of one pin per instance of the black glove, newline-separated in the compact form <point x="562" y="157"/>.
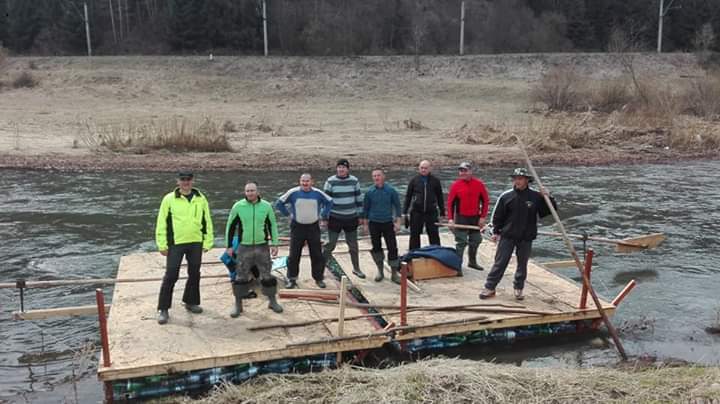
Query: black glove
<point x="406" y="221"/>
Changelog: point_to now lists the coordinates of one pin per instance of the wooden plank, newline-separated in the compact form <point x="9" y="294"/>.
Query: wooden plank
<point x="558" y="264"/>
<point x="119" y="373"/>
<point x="70" y="311"/>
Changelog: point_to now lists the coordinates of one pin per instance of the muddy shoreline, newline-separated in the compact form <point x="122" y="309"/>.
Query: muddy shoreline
<point x="161" y="162"/>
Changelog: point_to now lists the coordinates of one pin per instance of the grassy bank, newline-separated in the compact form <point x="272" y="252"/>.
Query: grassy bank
<point x="465" y="381"/>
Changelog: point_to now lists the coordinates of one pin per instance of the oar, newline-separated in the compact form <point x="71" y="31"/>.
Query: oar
<point x="571" y="248"/>
<point x="625" y="245"/>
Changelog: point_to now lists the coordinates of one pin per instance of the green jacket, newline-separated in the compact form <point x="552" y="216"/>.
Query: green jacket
<point x="180" y="221"/>
<point x="254" y="222"/>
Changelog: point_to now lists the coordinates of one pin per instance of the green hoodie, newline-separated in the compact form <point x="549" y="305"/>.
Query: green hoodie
<point x="255" y="223"/>
<point x="181" y="221"/>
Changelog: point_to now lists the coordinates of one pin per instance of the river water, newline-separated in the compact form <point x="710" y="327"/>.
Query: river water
<point x="77" y="225"/>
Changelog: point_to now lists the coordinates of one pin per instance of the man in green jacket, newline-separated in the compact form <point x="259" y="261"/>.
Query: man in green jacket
<point x="184" y="229"/>
<point x="254" y="221"/>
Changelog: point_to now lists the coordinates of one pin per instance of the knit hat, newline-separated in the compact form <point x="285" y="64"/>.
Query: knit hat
<point x="343" y="162"/>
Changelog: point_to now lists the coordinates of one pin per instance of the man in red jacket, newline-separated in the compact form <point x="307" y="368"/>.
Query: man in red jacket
<point x="468" y="204"/>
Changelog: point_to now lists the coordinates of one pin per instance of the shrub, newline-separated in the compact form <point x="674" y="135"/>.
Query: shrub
<point x="558" y="89"/>
<point x="24" y="80"/>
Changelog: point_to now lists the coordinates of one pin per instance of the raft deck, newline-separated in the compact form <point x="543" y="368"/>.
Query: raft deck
<point x="139" y="346"/>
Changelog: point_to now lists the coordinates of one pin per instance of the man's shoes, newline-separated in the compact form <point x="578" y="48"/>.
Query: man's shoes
<point x="163" y="316"/>
<point x="486" y="294"/>
<point x="320" y="284"/>
<point x="519" y="294"/>
<point x="359" y="273"/>
<point x="474" y="265"/>
<point x="290" y="284"/>
<point x="193" y="308"/>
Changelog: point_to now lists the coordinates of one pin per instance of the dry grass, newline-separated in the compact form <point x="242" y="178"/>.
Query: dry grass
<point x="24" y="80"/>
<point x="176" y="135"/>
<point x="611" y="95"/>
<point x="703" y="97"/>
<point x="464" y="381"/>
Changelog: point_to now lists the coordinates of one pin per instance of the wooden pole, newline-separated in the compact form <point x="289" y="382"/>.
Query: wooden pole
<point x="462" y="27"/>
<point x="265" y="36"/>
<point x="341" y="314"/>
<point x="588" y="267"/>
<point x="403" y="293"/>
<point x="100" y="298"/>
<point x="98" y="281"/>
<point x="571" y="248"/>
<point x="87" y="29"/>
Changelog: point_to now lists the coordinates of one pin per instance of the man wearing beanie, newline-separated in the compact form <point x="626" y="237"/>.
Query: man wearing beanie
<point x="344" y="189"/>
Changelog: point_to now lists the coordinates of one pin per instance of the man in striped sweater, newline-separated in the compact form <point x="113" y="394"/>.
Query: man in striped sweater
<point x="344" y="189"/>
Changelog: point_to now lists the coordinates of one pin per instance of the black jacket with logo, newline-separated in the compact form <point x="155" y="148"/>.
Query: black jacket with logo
<point x="424" y="197"/>
<point x="516" y="214"/>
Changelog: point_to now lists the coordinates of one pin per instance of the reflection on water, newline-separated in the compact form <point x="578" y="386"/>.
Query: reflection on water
<point x="73" y="226"/>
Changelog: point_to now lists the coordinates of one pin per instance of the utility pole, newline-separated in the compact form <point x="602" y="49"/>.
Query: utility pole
<point x="661" y="14"/>
<point x="462" y="27"/>
<point x="112" y="21"/>
<point x="87" y="29"/>
<point x="264" y="16"/>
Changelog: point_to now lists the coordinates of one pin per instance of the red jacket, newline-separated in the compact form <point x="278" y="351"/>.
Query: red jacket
<point x="468" y="198"/>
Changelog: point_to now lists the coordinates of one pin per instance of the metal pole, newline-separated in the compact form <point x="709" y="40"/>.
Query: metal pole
<point x="87" y="29"/>
<point x="661" y="14"/>
<point x="112" y="21"/>
<point x="578" y="264"/>
<point x="462" y="27"/>
<point x="265" y="38"/>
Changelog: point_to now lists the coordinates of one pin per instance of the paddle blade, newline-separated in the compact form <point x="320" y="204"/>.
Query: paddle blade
<point x="640" y="243"/>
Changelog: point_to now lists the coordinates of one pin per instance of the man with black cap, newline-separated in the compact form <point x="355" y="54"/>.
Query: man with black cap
<point x="184" y="229"/>
<point x="425" y="203"/>
<point x="514" y="222"/>
<point x="468" y="204"/>
<point x="344" y="189"/>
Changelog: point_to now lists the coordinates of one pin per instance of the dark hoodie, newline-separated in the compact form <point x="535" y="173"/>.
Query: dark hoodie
<point x="516" y="214"/>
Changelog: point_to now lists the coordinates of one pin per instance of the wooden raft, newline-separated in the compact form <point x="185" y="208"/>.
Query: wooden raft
<point x="141" y="347"/>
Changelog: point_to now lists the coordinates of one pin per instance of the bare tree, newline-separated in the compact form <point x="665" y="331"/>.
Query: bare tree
<point x="625" y="45"/>
<point x="418" y="31"/>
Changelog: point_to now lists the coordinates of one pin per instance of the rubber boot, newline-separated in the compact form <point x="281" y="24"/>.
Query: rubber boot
<point x="395" y="271"/>
<point x="269" y="289"/>
<point x="472" y="258"/>
<point x="239" y="291"/>
<point x="379" y="259"/>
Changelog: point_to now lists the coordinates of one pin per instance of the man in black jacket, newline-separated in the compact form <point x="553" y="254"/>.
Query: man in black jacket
<point x="514" y="228"/>
<point x="424" y="199"/>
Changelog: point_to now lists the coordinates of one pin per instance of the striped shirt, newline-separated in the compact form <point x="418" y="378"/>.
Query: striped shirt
<point x="346" y="195"/>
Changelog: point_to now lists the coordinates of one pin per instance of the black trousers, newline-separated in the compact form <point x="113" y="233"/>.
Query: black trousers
<point x="386" y="231"/>
<point x="419" y="220"/>
<point x="193" y="254"/>
<point x="503" y="253"/>
<point x="299" y="234"/>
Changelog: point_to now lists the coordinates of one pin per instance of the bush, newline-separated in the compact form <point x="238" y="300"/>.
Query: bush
<point x="611" y="95"/>
<point x="558" y="89"/>
<point x="703" y="98"/>
<point x="24" y="80"/>
<point x="177" y="135"/>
